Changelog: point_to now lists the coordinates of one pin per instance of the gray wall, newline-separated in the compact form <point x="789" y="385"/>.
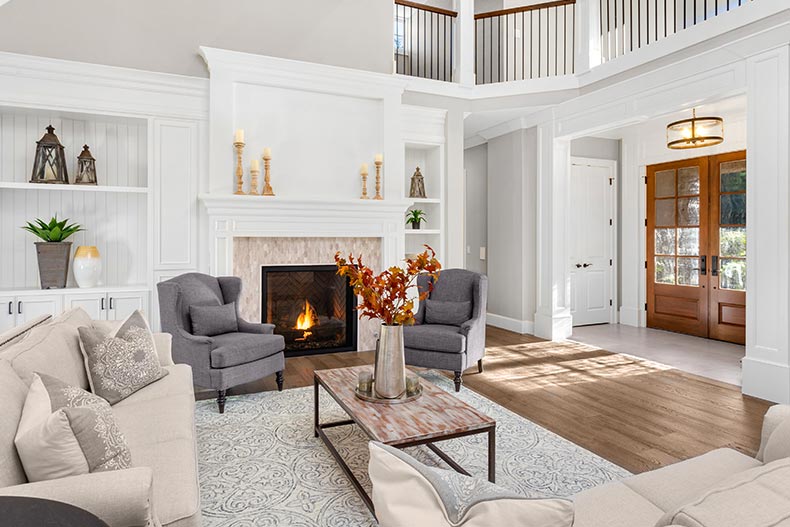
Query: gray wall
<point x="476" y="168"/>
<point x="512" y="185"/>
<point x="164" y="36"/>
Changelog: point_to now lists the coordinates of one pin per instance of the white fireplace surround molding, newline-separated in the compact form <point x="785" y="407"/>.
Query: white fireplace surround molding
<point x="269" y="217"/>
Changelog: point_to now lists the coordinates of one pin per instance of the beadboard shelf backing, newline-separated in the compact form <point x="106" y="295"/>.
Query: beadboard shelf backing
<point x="119" y="145"/>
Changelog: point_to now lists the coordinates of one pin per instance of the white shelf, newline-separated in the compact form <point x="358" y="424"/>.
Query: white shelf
<point x="424" y="200"/>
<point x="423" y="231"/>
<point x="24" y="291"/>
<point x="72" y="188"/>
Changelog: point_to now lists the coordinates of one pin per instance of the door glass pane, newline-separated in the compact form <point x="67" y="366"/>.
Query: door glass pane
<point x="688" y="181"/>
<point x="733" y="176"/>
<point x="665" y="270"/>
<point x="732" y="241"/>
<point x="732" y="274"/>
<point x="688" y="211"/>
<point x="688" y="271"/>
<point x="733" y="209"/>
<point x="665" y="184"/>
<point x="665" y="241"/>
<point x="665" y="212"/>
<point x="688" y="241"/>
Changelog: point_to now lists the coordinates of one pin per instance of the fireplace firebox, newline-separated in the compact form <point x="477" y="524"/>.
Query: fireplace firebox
<point x="311" y="306"/>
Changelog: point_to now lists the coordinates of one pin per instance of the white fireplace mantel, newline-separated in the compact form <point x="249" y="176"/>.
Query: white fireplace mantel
<point x="232" y="216"/>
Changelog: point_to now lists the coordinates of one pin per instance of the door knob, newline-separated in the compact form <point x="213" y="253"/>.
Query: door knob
<point x="586" y="265"/>
<point x="578" y="265"/>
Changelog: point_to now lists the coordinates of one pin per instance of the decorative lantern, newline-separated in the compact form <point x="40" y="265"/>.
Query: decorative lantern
<point x="50" y="164"/>
<point x="696" y="132"/>
<point x="86" y="168"/>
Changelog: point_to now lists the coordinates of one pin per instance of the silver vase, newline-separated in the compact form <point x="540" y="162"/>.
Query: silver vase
<point x="390" y="368"/>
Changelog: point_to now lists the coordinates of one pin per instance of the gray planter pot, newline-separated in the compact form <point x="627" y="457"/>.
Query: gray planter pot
<point x="416" y="225"/>
<point x="53" y="263"/>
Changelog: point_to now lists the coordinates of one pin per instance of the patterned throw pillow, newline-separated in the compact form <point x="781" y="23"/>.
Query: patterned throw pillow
<point x="66" y="431"/>
<point x="406" y="492"/>
<point x="121" y="361"/>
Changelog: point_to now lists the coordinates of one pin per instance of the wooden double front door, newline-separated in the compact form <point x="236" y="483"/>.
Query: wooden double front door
<point x="696" y="246"/>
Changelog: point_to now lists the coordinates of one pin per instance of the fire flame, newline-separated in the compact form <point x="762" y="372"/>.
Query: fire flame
<point x="308" y="317"/>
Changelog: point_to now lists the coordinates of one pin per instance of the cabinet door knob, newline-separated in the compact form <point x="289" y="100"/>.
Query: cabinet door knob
<point x="102" y="304"/>
<point x="110" y="302"/>
<point x="11" y="307"/>
<point x="19" y="307"/>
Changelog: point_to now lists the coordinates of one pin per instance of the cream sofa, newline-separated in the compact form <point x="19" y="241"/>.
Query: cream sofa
<point x="157" y="421"/>
<point x="723" y="488"/>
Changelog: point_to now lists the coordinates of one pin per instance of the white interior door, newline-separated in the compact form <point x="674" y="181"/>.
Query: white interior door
<point x="591" y="258"/>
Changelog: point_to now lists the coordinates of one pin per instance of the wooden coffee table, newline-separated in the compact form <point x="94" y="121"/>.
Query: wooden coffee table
<point x="435" y="416"/>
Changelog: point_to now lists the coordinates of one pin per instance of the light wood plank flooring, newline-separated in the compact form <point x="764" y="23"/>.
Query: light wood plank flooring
<point x="636" y="413"/>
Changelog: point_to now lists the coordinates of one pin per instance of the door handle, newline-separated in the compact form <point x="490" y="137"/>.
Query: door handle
<point x="111" y="303"/>
<point x="578" y="265"/>
<point x="19" y="307"/>
<point x="102" y="304"/>
<point x="11" y="307"/>
<point x="586" y="265"/>
<point x="714" y="268"/>
<point x="703" y="269"/>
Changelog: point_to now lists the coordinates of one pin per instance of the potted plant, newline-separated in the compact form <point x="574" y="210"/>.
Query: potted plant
<point x="385" y="297"/>
<point x="54" y="252"/>
<point x="415" y="217"/>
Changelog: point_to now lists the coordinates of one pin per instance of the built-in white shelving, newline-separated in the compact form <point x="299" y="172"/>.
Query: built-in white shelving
<point x="429" y="156"/>
<point x="422" y="232"/>
<point x="11" y="185"/>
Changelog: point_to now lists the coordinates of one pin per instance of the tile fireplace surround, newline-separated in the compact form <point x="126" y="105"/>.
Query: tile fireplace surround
<point x="247" y="232"/>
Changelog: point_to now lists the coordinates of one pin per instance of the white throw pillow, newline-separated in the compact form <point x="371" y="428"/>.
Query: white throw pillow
<point x="66" y="431"/>
<point x="407" y="493"/>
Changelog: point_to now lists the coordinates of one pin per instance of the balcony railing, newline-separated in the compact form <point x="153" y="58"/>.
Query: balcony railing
<point x="627" y="25"/>
<point x="424" y="40"/>
<point x="525" y="42"/>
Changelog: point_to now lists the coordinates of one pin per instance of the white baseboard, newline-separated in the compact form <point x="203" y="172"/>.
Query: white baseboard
<point x="766" y="380"/>
<point x="511" y="324"/>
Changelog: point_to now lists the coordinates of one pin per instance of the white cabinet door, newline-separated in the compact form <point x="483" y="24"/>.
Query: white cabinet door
<point x="124" y="304"/>
<point x="30" y="307"/>
<point x="95" y="304"/>
<point x="7" y="313"/>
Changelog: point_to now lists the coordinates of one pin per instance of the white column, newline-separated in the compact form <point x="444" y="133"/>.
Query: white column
<point x="632" y="262"/>
<point x="465" y="43"/>
<point x="588" y="38"/>
<point x="766" y="367"/>
<point x="553" y="317"/>
<point x="455" y="190"/>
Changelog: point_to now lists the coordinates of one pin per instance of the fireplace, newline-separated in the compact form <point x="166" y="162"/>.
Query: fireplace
<point x="311" y="306"/>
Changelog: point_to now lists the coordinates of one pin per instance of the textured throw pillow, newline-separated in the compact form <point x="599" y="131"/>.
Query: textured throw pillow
<point x="66" y="431"/>
<point x="758" y="497"/>
<point x="121" y="361"/>
<point x="208" y="321"/>
<point x="406" y="492"/>
<point x="448" y="313"/>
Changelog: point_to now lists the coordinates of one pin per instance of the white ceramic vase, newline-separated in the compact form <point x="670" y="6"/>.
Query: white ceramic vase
<point x="87" y="266"/>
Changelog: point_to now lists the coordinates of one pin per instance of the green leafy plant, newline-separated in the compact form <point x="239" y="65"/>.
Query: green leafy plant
<point x="54" y="231"/>
<point x="414" y="217"/>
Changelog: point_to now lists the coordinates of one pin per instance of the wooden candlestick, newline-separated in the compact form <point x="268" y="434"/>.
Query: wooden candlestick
<point x="378" y="179"/>
<point x="364" y="173"/>
<point x="239" y="145"/>
<point x="267" y="187"/>
<point x="254" y="172"/>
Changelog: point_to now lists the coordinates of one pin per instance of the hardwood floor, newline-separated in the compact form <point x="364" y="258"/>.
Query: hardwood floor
<point x="633" y="412"/>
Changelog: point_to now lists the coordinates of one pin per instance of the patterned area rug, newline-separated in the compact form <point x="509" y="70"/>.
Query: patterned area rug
<point x="261" y="466"/>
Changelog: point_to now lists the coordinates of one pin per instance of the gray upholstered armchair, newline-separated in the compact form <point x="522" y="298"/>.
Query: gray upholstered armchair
<point x="450" y="331"/>
<point x="220" y="361"/>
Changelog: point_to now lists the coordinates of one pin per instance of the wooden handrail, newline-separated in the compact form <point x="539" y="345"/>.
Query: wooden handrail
<point x="502" y="12"/>
<point x="425" y="7"/>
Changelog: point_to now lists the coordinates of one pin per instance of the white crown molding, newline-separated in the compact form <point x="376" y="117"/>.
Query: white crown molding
<point x="421" y="124"/>
<point x="475" y="140"/>
<point x="294" y="74"/>
<point x="41" y="82"/>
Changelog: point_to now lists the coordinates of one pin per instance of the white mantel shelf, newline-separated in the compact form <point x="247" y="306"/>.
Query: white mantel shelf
<point x="245" y="205"/>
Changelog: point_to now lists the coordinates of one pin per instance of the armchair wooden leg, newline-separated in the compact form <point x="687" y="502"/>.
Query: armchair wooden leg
<point x="279" y="376"/>
<point x="221" y="400"/>
<point x="457" y="381"/>
<point x="480" y="366"/>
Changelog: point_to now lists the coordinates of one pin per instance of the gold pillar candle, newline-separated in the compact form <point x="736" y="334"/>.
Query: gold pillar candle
<point x="239" y="146"/>
<point x="254" y="172"/>
<point x="379" y="161"/>
<point x="363" y="171"/>
<point x="267" y="160"/>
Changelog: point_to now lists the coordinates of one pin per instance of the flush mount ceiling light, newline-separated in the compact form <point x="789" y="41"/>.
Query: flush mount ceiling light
<point x="696" y="132"/>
